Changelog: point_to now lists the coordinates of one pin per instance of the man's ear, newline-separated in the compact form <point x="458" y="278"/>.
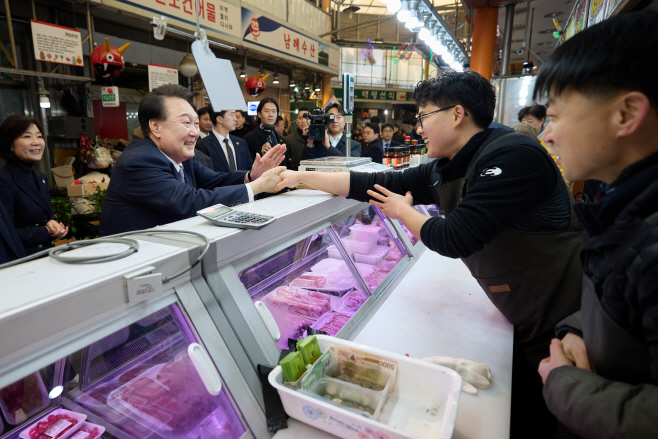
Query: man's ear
<point x="631" y="111"/>
<point x="459" y="114"/>
<point x="156" y="127"/>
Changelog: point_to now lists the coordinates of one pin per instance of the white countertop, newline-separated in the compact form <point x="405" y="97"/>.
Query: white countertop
<point x="439" y="309"/>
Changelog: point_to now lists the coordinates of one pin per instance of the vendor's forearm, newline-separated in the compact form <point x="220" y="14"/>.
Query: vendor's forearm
<point x="337" y="183"/>
<point x="413" y="220"/>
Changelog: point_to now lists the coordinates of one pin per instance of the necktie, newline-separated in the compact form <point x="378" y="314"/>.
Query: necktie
<point x="180" y="175"/>
<point x="229" y="154"/>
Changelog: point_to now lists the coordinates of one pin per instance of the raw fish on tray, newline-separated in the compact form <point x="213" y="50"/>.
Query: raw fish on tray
<point x="334" y="324"/>
<point x="309" y="281"/>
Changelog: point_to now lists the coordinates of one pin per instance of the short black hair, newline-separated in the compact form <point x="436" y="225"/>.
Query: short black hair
<point x="201" y="111"/>
<point x="303" y="109"/>
<point x="11" y="129"/>
<point x="373" y="126"/>
<point x="262" y="103"/>
<point x="615" y="55"/>
<point x="241" y="112"/>
<point x="468" y="89"/>
<point x="537" y="111"/>
<point x="278" y="119"/>
<point x="338" y="107"/>
<point x="375" y="119"/>
<point x="388" y="125"/>
<point x="153" y="104"/>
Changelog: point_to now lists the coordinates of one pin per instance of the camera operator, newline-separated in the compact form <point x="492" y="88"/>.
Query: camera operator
<point x="316" y="137"/>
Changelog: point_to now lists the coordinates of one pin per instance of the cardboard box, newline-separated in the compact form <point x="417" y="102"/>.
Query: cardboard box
<point x="80" y="190"/>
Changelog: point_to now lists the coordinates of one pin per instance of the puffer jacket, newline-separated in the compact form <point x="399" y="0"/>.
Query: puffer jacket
<point x="591" y="405"/>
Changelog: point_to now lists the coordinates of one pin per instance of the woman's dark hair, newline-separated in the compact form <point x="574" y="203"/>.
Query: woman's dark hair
<point x="11" y="129"/>
<point x="537" y="111"/>
<point x="153" y="104"/>
<point x="262" y="103"/>
<point x="468" y="89"/>
<point x="618" y="54"/>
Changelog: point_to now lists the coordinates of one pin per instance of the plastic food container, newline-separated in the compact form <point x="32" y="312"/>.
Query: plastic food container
<point x="80" y="434"/>
<point x="361" y="232"/>
<point x="28" y="394"/>
<point x="360" y="247"/>
<point x="25" y="433"/>
<point x="376" y="255"/>
<point x="425" y="393"/>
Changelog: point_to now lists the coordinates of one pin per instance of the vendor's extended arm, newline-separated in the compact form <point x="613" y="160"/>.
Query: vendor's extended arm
<point x="337" y="183"/>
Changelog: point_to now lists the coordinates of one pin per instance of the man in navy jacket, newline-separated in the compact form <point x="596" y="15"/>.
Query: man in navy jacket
<point x="228" y="152"/>
<point x="10" y="244"/>
<point x="157" y="181"/>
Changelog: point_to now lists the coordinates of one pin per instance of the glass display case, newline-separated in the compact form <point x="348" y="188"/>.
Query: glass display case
<point x="319" y="283"/>
<point x="151" y="379"/>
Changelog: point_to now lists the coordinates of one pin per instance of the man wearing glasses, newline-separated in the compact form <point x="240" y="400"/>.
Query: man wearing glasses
<point x="387" y="136"/>
<point x="508" y="216"/>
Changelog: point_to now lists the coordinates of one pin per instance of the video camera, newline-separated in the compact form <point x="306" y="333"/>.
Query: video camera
<point x="317" y="123"/>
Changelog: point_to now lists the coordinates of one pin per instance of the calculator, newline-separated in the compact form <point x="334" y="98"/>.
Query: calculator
<point x="225" y="216"/>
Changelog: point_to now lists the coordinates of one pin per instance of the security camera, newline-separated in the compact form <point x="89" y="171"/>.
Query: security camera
<point x="519" y="52"/>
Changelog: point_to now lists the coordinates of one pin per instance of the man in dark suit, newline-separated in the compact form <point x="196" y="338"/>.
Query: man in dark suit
<point x="296" y="141"/>
<point x="387" y="136"/>
<point x="337" y="137"/>
<point x="398" y="135"/>
<point x="242" y="127"/>
<point x="374" y="147"/>
<point x="10" y="244"/>
<point x="156" y="181"/>
<point x="227" y="152"/>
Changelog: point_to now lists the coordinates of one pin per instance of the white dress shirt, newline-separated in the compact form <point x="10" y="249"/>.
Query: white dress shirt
<point x="235" y="157"/>
<point x="335" y="141"/>
<point x="178" y="166"/>
<point x="201" y="134"/>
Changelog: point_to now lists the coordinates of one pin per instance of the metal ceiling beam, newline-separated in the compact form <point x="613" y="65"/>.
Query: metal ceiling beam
<point x="45" y="75"/>
<point x="335" y="31"/>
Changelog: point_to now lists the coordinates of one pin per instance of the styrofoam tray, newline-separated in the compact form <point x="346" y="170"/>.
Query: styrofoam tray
<point x="25" y="433"/>
<point x="90" y="426"/>
<point x="338" y="266"/>
<point x="422" y="406"/>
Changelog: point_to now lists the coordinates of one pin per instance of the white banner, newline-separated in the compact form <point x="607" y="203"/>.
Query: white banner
<point x="57" y="44"/>
<point x="110" y="96"/>
<point x="161" y="75"/>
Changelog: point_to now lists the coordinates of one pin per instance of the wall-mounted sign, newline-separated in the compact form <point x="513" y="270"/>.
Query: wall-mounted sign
<point x="58" y="44"/>
<point x="110" y="96"/>
<point x="252" y="108"/>
<point x="378" y="95"/>
<point x="161" y="75"/>
<point x="216" y="15"/>
<point x="263" y="31"/>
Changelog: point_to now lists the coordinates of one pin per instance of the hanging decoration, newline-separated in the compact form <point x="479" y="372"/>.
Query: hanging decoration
<point x="368" y="52"/>
<point x="108" y="61"/>
<point x="406" y="51"/>
<point x="255" y="85"/>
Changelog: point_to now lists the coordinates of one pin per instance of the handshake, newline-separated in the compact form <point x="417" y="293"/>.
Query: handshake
<point x="266" y="172"/>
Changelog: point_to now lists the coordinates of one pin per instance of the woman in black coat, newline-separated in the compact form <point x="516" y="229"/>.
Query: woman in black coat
<point x="24" y="190"/>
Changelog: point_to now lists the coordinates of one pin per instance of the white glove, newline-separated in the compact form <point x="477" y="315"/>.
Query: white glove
<point x="473" y="374"/>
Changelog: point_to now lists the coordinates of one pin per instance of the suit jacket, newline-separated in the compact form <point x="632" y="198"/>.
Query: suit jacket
<point x="203" y="159"/>
<point x="28" y="207"/>
<point x="144" y="191"/>
<point x="355" y="151"/>
<point x="258" y="137"/>
<point x="211" y="147"/>
<point x="10" y="244"/>
<point x="295" y="144"/>
<point x="392" y="143"/>
<point x="374" y="150"/>
<point x="319" y="151"/>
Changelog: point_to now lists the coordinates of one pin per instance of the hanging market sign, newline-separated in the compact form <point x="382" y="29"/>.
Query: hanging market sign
<point x="215" y="15"/>
<point x="378" y="95"/>
<point x="56" y="44"/>
<point x="263" y="31"/>
<point x="110" y="96"/>
<point x="162" y="75"/>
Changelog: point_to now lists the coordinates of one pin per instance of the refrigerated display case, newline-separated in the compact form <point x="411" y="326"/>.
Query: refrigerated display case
<point x="81" y="350"/>
<point x="325" y="264"/>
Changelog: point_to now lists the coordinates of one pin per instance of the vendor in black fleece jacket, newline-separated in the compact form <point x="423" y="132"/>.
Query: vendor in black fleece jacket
<point x="508" y="216"/>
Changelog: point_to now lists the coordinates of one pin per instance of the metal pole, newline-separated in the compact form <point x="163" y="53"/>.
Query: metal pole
<point x="90" y="33"/>
<point x="507" y="43"/>
<point x="11" y="33"/>
<point x="532" y="20"/>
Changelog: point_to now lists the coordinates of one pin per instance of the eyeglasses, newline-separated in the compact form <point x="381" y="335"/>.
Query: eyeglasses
<point x="419" y="116"/>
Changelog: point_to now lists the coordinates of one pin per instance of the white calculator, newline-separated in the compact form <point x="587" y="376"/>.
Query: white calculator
<point x="225" y="216"/>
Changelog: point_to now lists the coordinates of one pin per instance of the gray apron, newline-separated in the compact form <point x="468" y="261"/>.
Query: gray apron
<point x="533" y="278"/>
<point x="613" y="351"/>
